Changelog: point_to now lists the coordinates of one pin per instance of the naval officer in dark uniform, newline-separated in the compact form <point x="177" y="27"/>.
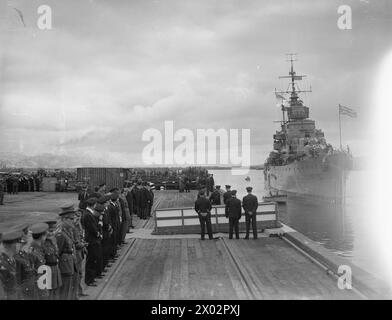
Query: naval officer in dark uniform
<point x="250" y="205"/>
<point x="227" y="194"/>
<point x="93" y="237"/>
<point x="233" y="212"/>
<point x="203" y="209"/>
<point x="215" y="197"/>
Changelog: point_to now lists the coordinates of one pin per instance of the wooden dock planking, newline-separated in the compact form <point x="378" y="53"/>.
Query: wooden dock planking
<point x="184" y="271"/>
<point x="194" y="270"/>
<point x="164" y="285"/>
<point x="171" y="269"/>
<point x="176" y="279"/>
<point x="239" y="287"/>
<point x="152" y="274"/>
<point x="267" y="268"/>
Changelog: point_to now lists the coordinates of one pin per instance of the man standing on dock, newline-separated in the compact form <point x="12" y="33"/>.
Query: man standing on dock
<point x="83" y="196"/>
<point x="250" y="204"/>
<point x="215" y="197"/>
<point x="233" y="212"/>
<point x="203" y="209"/>
<point x="227" y="194"/>
<point x="67" y="257"/>
<point x="2" y="188"/>
<point x="93" y="237"/>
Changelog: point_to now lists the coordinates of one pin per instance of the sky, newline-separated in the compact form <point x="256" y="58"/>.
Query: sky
<point x="109" y="70"/>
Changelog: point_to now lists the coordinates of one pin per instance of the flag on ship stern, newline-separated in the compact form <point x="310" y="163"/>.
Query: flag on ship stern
<point x="347" y="111"/>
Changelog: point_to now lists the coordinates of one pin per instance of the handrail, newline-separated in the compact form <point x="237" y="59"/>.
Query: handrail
<point x="175" y="220"/>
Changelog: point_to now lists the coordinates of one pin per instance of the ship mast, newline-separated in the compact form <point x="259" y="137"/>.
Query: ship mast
<point x="291" y="57"/>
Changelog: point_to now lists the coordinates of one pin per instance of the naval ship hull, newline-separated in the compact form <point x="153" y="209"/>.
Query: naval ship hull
<point x="322" y="178"/>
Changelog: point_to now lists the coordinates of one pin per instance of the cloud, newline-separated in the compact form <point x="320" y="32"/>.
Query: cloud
<point x="107" y="72"/>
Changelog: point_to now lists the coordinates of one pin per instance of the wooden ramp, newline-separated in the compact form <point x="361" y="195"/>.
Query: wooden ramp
<point x="188" y="268"/>
<point x="266" y="268"/>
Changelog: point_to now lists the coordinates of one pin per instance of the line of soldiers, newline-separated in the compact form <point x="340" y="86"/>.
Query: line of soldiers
<point x="106" y="219"/>
<point x="13" y="184"/>
<point x="43" y="266"/>
<point x="93" y="233"/>
<point x="233" y="210"/>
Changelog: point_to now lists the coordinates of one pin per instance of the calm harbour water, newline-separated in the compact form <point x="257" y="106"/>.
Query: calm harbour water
<point x="341" y="229"/>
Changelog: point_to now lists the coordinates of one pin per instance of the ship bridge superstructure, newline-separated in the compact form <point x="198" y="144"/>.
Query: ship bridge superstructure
<point x="298" y="134"/>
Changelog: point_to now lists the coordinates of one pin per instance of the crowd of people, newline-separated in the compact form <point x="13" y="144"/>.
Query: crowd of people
<point x="81" y="244"/>
<point x="233" y="210"/>
<point x="12" y="184"/>
<point x="204" y="181"/>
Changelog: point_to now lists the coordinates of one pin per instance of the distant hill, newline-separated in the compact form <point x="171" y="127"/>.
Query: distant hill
<point x="48" y="160"/>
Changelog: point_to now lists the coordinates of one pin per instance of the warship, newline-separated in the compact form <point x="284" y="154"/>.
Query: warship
<point x="302" y="163"/>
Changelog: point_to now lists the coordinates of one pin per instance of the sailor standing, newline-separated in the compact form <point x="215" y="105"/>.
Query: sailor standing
<point x="227" y="194"/>
<point x="250" y="205"/>
<point x="93" y="237"/>
<point x="215" y="197"/>
<point x="203" y="209"/>
<point x="2" y="188"/>
<point x="106" y="232"/>
<point x="233" y="212"/>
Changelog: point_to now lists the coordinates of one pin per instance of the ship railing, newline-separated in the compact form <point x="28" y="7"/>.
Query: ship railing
<point x="186" y="220"/>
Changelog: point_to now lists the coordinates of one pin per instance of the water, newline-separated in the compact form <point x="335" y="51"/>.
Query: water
<point x="341" y="229"/>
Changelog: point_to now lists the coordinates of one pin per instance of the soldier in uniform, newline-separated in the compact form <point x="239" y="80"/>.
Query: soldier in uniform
<point x="145" y="202"/>
<point x="82" y="197"/>
<point x="66" y="247"/>
<point x="2" y="187"/>
<point x="52" y="258"/>
<point x="93" y="237"/>
<point x="137" y="195"/>
<point x="8" y="181"/>
<point x="151" y="200"/>
<point x="100" y="209"/>
<point x="210" y="184"/>
<point x="26" y="238"/>
<point x="215" y="197"/>
<point x="8" y="279"/>
<point x="80" y="251"/>
<point x="125" y="217"/>
<point x="250" y="204"/>
<point x="203" y="209"/>
<point x="107" y="232"/>
<point x="25" y="273"/>
<point x="187" y="184"/>
<point x="130" y="200"/>
<point x="233" y="212"/>
<point x="15" y="185"/>
<point x="227" y="194"/>
<point x="114" y="214"/>
<point x="36" y="250"/>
